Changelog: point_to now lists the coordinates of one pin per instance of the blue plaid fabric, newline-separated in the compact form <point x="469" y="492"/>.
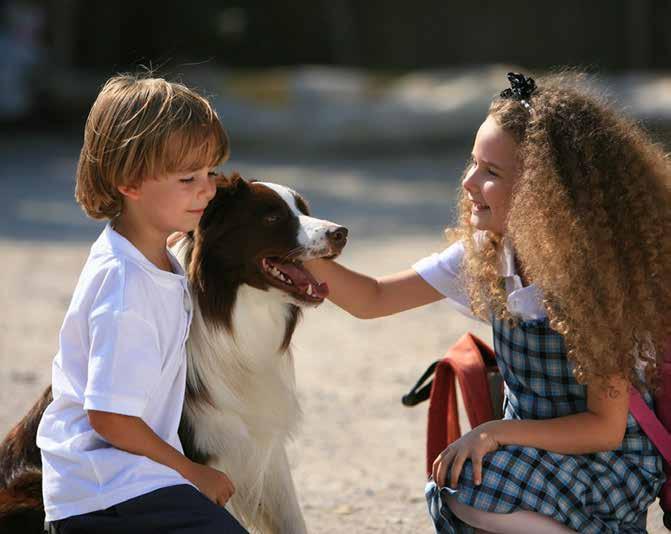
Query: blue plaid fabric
<point x="593" y="493"/>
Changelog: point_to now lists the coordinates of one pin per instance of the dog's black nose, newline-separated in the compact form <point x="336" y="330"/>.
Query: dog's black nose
<point x="337" y="236"/>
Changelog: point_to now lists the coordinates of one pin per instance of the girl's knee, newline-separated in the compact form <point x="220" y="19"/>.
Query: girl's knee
<point x="500" y="523"/>
<point x="469" y="515"/>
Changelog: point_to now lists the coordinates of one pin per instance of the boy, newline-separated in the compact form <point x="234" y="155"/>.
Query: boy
<point x="112" y="459"/>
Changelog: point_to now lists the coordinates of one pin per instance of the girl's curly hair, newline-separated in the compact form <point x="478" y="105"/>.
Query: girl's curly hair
<point x="590" y="222"/>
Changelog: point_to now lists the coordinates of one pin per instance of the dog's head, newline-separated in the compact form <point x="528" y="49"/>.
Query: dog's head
<point x="259" y="234"/>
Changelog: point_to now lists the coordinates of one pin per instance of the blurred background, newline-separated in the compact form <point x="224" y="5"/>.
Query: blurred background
<point x="368" y="108"/>
<point x="377" y="90"/>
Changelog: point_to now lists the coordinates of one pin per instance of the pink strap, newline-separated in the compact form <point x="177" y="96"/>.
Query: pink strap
<point x="652" y="426"/>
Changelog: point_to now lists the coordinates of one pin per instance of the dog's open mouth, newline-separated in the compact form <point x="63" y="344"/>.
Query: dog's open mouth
<point x="292" y="277"/>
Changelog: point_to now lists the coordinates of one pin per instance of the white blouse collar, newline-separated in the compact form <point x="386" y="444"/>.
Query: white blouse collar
<point x="525" y="302"/>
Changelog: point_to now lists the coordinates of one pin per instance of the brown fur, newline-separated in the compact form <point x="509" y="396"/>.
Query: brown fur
<point x="21" y="507"/>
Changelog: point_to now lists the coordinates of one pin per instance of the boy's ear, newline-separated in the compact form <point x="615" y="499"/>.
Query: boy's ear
<point x="130" y="191"/>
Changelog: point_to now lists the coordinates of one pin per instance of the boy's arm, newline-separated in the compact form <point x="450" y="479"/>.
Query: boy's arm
<point x="366" y="297"/>
<point x="132" y="434"/>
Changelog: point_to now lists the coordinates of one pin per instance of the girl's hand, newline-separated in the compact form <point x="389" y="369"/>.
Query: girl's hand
<point x="473" y="445"/>
<point x="214" y="484"/>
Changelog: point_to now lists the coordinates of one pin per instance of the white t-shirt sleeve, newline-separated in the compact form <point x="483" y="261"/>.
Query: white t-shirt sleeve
<point x="124" y="363"/>
<point x="442" y="271"/>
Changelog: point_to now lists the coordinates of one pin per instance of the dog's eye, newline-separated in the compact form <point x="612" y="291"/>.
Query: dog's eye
<point x="271" y="219"/>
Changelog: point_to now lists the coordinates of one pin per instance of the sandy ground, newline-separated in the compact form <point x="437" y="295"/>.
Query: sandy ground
<point x="359" y="460"/>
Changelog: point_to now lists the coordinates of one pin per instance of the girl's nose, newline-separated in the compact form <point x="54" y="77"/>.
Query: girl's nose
<point x="470" y="181"/>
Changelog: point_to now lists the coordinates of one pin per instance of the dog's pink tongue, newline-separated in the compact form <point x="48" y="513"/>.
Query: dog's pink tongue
<point x="320" y="290"/>
<point x="302" y="279"/>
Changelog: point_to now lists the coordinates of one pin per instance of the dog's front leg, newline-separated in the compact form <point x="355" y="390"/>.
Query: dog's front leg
<point x="280" y="511"/>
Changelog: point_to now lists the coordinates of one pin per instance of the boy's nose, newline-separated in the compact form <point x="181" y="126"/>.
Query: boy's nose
<point x="210" y="189"/>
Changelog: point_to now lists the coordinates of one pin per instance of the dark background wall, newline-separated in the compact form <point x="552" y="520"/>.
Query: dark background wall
<point x="387" y="34"/>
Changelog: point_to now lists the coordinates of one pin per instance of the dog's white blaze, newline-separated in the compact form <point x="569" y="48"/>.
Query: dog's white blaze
<point x="312" y="231"/>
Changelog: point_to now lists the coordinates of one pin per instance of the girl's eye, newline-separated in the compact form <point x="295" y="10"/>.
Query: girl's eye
<point x="492" y="172"/>
<point x="212" y="174"/>
<point x="186" y="180"/>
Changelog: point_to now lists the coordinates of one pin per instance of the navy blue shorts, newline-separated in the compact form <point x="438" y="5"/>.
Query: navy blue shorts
<point x="180" y="508"/>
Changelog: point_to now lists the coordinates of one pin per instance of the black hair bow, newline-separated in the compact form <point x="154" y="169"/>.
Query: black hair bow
<point x="521" y="87"/>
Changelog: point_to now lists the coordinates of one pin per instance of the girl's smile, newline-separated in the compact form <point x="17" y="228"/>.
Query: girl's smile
<point x="490" y="177"/>
<point x="478" y="206"/>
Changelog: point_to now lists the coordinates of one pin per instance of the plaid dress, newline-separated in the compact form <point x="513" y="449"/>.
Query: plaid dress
<point x="592" y="493"/>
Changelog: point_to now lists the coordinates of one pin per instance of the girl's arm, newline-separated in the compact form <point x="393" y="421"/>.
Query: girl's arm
<point x="600" y="428"/>
<point x="366" y="297"/>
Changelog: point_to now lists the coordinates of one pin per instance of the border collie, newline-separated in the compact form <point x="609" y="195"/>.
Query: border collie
<point x="248" y="286"/>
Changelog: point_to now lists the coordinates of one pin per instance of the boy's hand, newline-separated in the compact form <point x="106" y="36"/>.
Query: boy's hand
<point x="214" y="484"/>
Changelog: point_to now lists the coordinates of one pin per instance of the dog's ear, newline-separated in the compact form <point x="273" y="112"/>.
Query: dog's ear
<point x="227" y="187"/>
<point x="232" y="185"/>
<point x="302" y="204"/>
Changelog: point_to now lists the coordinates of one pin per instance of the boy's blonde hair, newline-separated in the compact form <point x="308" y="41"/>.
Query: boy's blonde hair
<point x="143" y="128"/>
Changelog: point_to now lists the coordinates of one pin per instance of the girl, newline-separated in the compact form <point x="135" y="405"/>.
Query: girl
<point x="563" y="247"/>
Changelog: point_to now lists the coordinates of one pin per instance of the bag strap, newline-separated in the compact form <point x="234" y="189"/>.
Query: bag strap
<point x="466" y="361"/>
<point x="418" y="393"/>
<point x="421" y="391"/>
<point x="650" y="424"/>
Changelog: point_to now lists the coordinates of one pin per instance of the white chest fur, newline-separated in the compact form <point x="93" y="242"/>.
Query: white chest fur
<point x="251" y="383"/>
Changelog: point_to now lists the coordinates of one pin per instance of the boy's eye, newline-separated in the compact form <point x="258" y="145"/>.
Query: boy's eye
<point x="186" y="180"/>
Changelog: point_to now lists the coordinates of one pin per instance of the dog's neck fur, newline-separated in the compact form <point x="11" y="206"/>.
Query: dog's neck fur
<point x="240" y="384"/>
<point x="233" y="317"/>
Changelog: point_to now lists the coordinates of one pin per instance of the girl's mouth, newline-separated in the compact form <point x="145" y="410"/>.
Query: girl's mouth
<point x="478" y="206"/>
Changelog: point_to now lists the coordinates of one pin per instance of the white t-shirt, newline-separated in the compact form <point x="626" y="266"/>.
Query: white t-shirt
<point x="121" y="350"/>
<point x="442" y="272"/>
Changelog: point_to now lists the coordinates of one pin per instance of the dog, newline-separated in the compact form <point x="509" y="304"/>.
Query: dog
<point x="245" y="272"/>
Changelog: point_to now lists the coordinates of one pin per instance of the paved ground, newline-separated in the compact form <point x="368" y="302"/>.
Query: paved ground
<point x="359" y="460"/>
